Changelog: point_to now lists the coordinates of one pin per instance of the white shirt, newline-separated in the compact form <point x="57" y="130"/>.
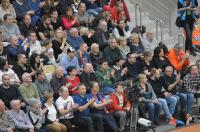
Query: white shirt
<point x="35" y="48"/>
<point x="65" y="104"/>
<point x="52" y="112"/>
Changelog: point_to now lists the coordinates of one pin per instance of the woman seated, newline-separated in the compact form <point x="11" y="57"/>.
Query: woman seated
<point x="69" y="21"/>
<point x="148" y="98"/>
<point x="72" y="80"/>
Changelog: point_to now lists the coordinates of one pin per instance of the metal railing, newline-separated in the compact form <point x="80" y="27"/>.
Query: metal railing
<point x="159" y="25"/>
<point x="138" y="8"/>
<point x="181" y="39"/>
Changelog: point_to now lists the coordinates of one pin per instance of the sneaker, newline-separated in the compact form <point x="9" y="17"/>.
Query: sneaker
<point x="172" y="121"/>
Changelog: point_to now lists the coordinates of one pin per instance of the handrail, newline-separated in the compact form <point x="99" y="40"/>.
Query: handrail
<point x="159" y="23"/>
<point x="138" y="7"/>
<point x="183" y="39"/>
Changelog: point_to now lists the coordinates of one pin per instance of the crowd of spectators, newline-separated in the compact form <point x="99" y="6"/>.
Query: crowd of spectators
<point x="94" y="57"/>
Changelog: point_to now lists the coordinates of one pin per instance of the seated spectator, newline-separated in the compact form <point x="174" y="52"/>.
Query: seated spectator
<point x="9" y="92"/>
<point x="45" y="29"/>
<point x="4" y="69"/>
<point x="82" y="55"/>
<point x="72" y="80"/>
<point x="82" y="15"/>
<point x="14" y="49"/>
<point x="59" y="42"/>
<point x="42" y="84"/>
<point x="87" y="76"/>
<point x="35" y="62"/>
<point x="106" y="16"/>
<point x="124" y="49"/>
<point x="100" y="107"/>
<point x="28" y="89"/>
<point x="48" y="53"/>
<point x="120" y="30"/>
<point x="146" y="63"/>
<point x="57" y="81"/>
<point x="6" y="8"/>
<point x="69" y="59"/>
<point x="10" y="28"/>
<point x="87" y="35"/>
<point x="20" y="119"/>
<point x="69" y="21"/>
<point x="74" y="39"/>
<point x="120" y="72"/>
<point x="25" y="27"/>
<point x="67" y="109"/>
<point x="48" y="5"/>
<point x="149" y="42"/>
<point x="197" y="63"/>
<point x="136" y="45"/>
<point x="92" y="7"/>
<point x="173" y="84"/>
<point x="22" y="66"/>
<point x="36" y="115"/>
<point x="168" y="100"/>
<point x="105" y="77"/>
<point x="133" y="66"/>
<point x="152" y="104"/>
<point x="36" y="6"/>
<point x="120" y="106"/>
<point x="62" y="4"/>
<point x="84" y="112"/>
<point x="22" y="8"/>
<point x="101" y="34"/>
<point x="95" y="55"/>
<point x="191" y="84"/>
<point x="3" y="53"/>
<point x="34" y="44"/>
<point x="111" y="52"/>
<point x="52" y="115"/>
<point x="6" y="124"/>
<point x="119" y="6"/>
<point x="159" y="60"/>
<point x="178" y="58"/>
<point x="55" y="19"/>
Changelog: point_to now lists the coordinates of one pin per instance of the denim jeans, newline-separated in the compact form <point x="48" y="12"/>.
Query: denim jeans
<point x="190" y="100"/>
<point x="165" y="108"/>
<point x="188" y="30"/>
<point x="154" y="110"/>
<point x="121" y="118"/>
<point x="109" y="120"/>
<point x="171" y="102"/>
<point x="182" y="100"/>
<point x="94" y="122"/>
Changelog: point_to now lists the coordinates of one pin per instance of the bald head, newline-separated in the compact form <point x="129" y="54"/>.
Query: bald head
<point x="26" y="77"/>
<point x="59" y="71"/>
<point x="14" y="40"/>
<point x="88" y="68"/>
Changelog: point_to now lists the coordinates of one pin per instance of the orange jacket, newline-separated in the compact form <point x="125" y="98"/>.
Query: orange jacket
<point x="196" y="36"/>
<point x="176" y="60"/>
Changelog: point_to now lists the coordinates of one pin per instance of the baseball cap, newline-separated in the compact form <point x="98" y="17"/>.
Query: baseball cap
<point x="70" y="49"/>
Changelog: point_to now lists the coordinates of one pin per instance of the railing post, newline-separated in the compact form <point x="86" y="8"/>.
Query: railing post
<point x="159" y="24"/>
<point x="138" y="7"/>
<point x="181" y="36"/>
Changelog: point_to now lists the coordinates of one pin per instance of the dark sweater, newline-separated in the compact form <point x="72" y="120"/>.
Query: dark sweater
<point x="8" y="94"/>
<point x="157" y="87"/>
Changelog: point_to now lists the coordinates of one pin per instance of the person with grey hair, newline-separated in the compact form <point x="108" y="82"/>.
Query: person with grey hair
<point x="28" y="89"/>
<point x="74" y="39"/>
<point x="112" y="52"/>
<point x="136" y="45"/>
<point x="6" y="124"/>
<point x="102" y="35"/>
<point x="178" y="58"/>
<point x="20" y="119"/>
<point x="66" y="108"/>
<point x="36" y="115"/>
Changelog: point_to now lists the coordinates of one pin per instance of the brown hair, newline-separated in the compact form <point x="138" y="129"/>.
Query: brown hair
<point x="48" y="95"/>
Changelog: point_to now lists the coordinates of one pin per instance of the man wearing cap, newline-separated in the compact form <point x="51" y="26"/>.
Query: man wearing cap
<point x="178" y="58"/>
<point x="69" y="60"/>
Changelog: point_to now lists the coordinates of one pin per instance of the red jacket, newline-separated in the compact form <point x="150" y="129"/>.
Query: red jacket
<point x="67" y="24"/>
<point x="112" y="4"/>
<point x="114" y="106"/>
